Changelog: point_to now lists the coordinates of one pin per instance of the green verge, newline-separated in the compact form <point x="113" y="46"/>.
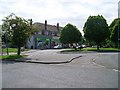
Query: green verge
<point x="92" y="49"/>
<point x="9" y="57"/>
<point x="101" y="49"/>
<point x="11" y="50"/>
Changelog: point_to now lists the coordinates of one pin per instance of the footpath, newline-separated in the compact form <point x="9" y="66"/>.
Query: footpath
<point x="52" y="56"/>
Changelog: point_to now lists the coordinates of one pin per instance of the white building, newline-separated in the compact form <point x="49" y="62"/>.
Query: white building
<point x="47" y="36"/>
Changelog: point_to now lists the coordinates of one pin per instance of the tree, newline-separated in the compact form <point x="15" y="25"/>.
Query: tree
<point x="115" y="31"/>
<point x="113" y="23"/>
<point x="6" y="32"/>
<point x="18" y="30"/>
<point x="96" y="29"/>
<point x="70" y="34"/>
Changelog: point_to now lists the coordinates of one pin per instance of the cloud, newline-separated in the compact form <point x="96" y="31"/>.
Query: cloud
<point x="62" y="11"/>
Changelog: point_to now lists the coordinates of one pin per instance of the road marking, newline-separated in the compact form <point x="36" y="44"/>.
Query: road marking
<point x="93" y="62"/>
<point x="116" y="70"/>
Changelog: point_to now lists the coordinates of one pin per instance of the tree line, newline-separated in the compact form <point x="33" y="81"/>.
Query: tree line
<point x="96" y="30"/>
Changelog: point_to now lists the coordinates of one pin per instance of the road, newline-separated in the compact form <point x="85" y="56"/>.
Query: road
<point x="80" y="73"/>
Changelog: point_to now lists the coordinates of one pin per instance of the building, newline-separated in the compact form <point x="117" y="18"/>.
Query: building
<point x="46" y="36"/>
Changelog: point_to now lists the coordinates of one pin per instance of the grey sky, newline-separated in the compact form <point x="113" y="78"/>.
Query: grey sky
<point x="62" y="11"/>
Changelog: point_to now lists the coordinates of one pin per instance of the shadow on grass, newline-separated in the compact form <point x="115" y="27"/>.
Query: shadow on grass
<point x="11" y="59"/>
<point x="9" y="62"/>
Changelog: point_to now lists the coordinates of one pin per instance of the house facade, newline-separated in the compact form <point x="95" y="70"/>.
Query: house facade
<point x="46" y="36"/>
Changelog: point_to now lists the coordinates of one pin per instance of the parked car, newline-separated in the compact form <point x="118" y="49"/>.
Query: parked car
<point x="58" y="46"/>
<point x="81" y="46"/>
<point x="78" y="47"/>
<point x="84" y="46"/>
<point x="3" y="46"/>
<point x="94" y="46"/>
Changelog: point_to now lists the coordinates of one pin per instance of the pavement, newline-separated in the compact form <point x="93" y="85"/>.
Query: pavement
<point x="106" y="60"/>
<point x="51" y="56"/>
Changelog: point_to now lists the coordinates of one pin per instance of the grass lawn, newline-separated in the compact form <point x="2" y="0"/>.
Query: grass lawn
<point x="101" y="49"/>
<point x="92" y="49"/>
<point x="14" y="56"/>
<point x="10" y="50"/>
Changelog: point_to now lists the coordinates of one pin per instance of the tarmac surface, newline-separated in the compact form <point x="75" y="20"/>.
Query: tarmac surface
<point x="50" y="57"/>
<point x="85" y="70"/>
<point x="53" y="56"/>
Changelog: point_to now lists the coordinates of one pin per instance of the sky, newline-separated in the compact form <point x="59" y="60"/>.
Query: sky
<point x="75" y="12"/>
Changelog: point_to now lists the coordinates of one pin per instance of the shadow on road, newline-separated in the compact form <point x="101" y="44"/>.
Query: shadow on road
<point x="9" y="62"/>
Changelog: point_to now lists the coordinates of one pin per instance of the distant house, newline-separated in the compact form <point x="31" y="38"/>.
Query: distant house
<point x="46" y="36"/>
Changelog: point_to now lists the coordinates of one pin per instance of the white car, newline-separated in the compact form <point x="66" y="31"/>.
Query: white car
<point x="58" y="46"/>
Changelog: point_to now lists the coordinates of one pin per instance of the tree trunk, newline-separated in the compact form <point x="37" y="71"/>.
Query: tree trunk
<point x="97" y="47"/>
<point x="7" y="50"/>
<point x="7" y="46"/>
<point x="116" y="45"/>
<point x="18" y="50"/>
<point x="75" y="46"/>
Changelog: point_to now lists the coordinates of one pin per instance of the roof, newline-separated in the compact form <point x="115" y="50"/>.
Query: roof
<point x="41" y="26"/>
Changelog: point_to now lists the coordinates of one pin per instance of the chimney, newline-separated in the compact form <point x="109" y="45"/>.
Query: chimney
<point x="30" y="21"/>
<point x="45" y="24"/>
<point x="58" y="26"/>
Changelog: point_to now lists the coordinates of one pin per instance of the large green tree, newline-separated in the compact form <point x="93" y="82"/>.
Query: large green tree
<point x="114" y="22"/>
<point x="6" y="35"/>
<point x="96" y="29"/>
<point x="115" y="31"/>
<point x="18" y="29"/>
<point x="70" y="34"/>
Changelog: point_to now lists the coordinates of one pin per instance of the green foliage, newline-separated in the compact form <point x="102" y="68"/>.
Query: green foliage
<point x="107" y="43"/>
<point x="20" y="32"/>
<point x="96" y="29"/>
<point x="70" y="34"/>
<point x="115" y="31"/>
<point x="114" y="22"/>
<point x="18" y="29"/>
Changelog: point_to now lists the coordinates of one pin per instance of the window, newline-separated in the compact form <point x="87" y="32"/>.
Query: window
<point x="55" y="34"/>
<point x="46" y="33"/>
<point x="43" y="32"/>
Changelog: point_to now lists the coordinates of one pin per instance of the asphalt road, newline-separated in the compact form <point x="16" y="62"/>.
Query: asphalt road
<point x="80" y="73"/>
